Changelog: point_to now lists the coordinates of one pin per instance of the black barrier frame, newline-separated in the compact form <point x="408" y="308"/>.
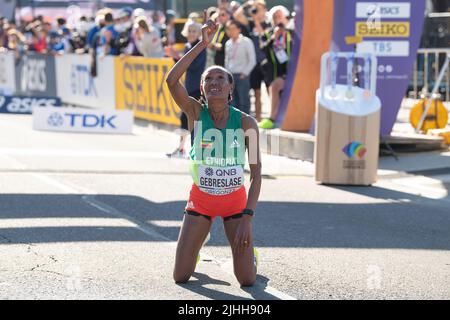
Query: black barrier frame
<point x="36" y="75"/>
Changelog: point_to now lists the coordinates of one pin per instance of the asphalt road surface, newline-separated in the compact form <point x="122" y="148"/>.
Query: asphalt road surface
<point x="88" y="216"/>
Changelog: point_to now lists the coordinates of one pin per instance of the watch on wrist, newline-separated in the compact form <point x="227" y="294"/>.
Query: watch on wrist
<point x="248" y="211"/>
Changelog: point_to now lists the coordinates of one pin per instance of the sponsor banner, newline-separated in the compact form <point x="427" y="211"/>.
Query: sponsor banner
<point x="384" y="48"/>
<point x="394" y="42"/>
<point x="26" y="105"/>
<point x="83" y="120"/>
<point x="76" y="86"/>
<point x="35" y="75"/>
<point x="384" y="10"/>
<point x="141" y="87"/>
<point x="7" y="73"/>
<point x="376" y="29"/>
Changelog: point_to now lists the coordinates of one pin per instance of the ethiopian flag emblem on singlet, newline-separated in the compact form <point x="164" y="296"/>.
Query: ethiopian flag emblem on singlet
<point x="207" y="144"/>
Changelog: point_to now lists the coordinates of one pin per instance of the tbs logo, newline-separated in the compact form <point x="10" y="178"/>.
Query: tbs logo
<point x="355" y="150"/>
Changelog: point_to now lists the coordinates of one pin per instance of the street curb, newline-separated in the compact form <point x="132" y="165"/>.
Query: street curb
<point x="300" y="145"/>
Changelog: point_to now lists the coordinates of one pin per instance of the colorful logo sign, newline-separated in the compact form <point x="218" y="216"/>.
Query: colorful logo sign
<point x="355" y="149"/>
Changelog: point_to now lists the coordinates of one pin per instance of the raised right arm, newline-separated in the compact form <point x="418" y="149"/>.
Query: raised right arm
<point x="189" y="105"/>
<point x="176" y="88"/>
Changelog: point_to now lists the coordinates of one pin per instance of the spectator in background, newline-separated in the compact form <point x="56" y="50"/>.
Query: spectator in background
<point x="92" y="35"/>
<point x="221" y="38"/>
<point x="83" y="28"/>
<point x="156" y="22"/>
<point x="239" y="60"/>
<point x="125" y="36"/>
<point x="76" y="43"/>
<point x="253" y="16"/>
<point x="168" y="29"/>
<point x="16" y="43"/>
<point x="108" y="37"/>
<point x="55" y="45"/>
<point x="38" y="38"/>
<point x="147" y="39"/>
<point x="4" y="26"/>
<point x="94" y="38"/>
<point x="192" y="30"/>
<point x="277" y="45"/>
<point x="61" y="26"/>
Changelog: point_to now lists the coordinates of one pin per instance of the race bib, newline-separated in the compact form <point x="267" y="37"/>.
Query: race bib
<point x="282" y="56"/>
<point x="220" y="180"/>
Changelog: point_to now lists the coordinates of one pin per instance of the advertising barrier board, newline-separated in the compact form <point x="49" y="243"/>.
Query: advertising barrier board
<point x="141" y="87"/>
<point x="76" y="86"/>
<point x="83" y="120"/>
<point x="7" y="73"/>
<point x="36" y="75"/>
<point x="26" y="105"/>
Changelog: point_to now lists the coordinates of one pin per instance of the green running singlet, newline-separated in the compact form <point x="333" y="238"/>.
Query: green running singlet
<point x="218" y="155"/>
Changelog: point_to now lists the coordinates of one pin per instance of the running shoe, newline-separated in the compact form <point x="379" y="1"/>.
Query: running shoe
<point x="255" y="257"/>
<point x="178" y="153"/>
<point x="266" y="124"/>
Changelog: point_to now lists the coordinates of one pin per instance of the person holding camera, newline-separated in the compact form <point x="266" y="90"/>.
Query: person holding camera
<point x="278" y="45"/>
<point x="253" y="16"/>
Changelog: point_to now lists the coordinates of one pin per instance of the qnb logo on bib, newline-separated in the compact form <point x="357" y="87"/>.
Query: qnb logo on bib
<point x="33" y="75"/>
<point x="220" y="180"/>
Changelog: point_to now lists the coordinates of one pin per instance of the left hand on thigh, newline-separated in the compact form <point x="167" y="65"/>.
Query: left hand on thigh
<point x="243" y="236"/>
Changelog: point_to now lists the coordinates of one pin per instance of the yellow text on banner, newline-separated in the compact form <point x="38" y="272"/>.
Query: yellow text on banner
<point x="141" y="87"/>
<point x="389" y="29"/>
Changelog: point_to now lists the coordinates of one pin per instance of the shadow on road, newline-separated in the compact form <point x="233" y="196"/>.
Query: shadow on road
<point x="402" y="222"/>
<point x="198" y="286"/>
<point x="199" y="283"/>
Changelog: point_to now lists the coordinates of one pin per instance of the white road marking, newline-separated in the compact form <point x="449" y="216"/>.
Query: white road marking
<point x="80" y="153"/>
<point x="145" y="228"/>
<point x="64" y="222"/>
<point x="166" y="223"/>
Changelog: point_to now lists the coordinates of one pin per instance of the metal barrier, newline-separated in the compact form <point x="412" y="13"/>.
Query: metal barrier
<point x="426" y="71"/>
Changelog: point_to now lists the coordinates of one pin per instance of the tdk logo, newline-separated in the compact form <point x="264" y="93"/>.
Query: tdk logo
<point x="82" y="120"/>
<point x="81" y="81"/>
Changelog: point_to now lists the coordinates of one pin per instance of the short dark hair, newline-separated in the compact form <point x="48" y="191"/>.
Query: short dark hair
<point x="234" y="22"/>
<point x="230" y="76"/>
<point x="109" y="17"/>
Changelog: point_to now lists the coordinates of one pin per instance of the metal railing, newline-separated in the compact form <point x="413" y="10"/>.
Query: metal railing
<point x="426" y="71"/>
